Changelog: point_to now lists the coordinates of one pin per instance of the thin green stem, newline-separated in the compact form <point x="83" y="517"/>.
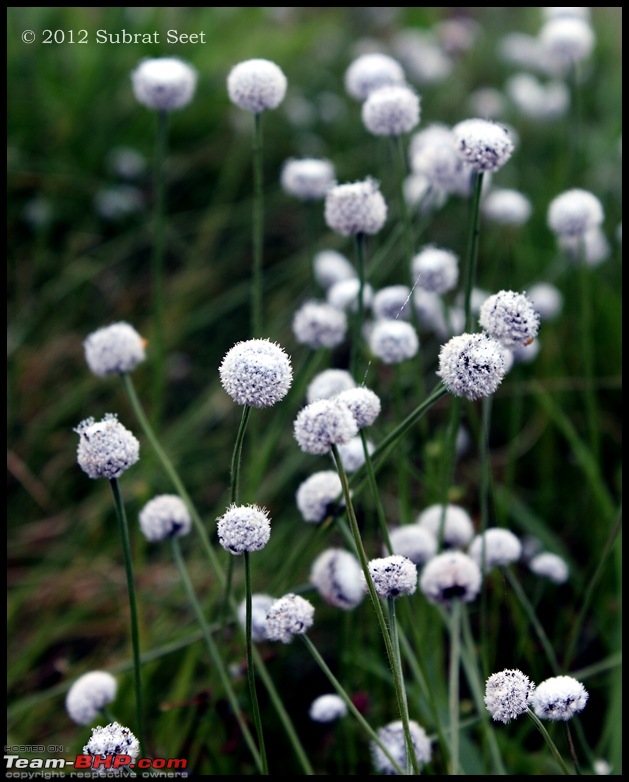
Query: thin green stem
<point x="547" y="738"/>
<point x="250" y="667"/>
<point x="375" y="494"/>
<point x="362" y="556"/>
<point x="236" y="456"/>
<point x="455" y="661"/>
<point x="571" y="750"/>
<point x="401" y="171"/>
<point x="135" y="629"/>
<point x="359" y="315"/>
<point x="159" y="220"/>
<point x="395" y="643"/>
<point x="472" y="249"/>
<point x="349" y="703"/>
<point x="219" y="665"/>
<point x="258" y="229"/>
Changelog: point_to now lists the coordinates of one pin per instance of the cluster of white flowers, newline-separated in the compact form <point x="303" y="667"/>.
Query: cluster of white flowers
<point x="106" y="448"/>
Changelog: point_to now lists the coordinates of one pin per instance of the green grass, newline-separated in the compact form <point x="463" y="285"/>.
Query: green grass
<point x="552" y="476"/>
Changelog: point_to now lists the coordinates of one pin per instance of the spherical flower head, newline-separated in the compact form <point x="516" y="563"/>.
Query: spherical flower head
<point x="244" y="528"/>
<point x="330" y="266"/>
<point x="329" y="383"/>
<point x="591" y="248"/>
<point x="392" y="576"/>
<point x="506" y="207"/>
<point x="322" y="424"/>
<point x="319" y="495"/>
<point x="344" y="295"/>
<point x="319" y="325"/>
<point x="353" y="454"/>
<point x="164" y="83"/>
<point x="391" y="110"/>
<point x="507" y="694"/>
<point x="289" y="616"/>
<point x="106" y="448"/>
<point x="111" y="741"/>
<point x="392" y="302"/>
<point x="472" y="365"/>
<point x="165" y="516"/>
<point x="260" y="604"/>
<point x="114" y="349"/>
<point x="414" y="542"/>
<point x="370" y="71"/>
<point x="458" y="528"/>
<point x="567" y="40"/>
<point x="550" y="566"/>
<point x="547" y="300"/>
<point x="89" y="694"/>
<point x="327" y="708"/>
<point x="256" y="85"/>
<point x="355" y="208"/>
<point x="392" y="736"/>
<point x="307" y="179"/>
<point x="450" y="576"/>
<point x="393" y="341"/>
<point x="337" y="576"/>
<point x="536" y="100"/>
<point x="483" y="144"/>
<point x="559" y="698"/>
<point x="494" y="547"/>
<point x="435" y="269"/>
<point x="364" y="404"/>
<point x="256" y="372"/>
<point x="574" y="213"/>
<point x="433" y="154"/>
<point x="510" y="318"/>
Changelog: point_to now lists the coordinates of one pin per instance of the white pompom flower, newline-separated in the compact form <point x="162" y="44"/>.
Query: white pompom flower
<point x="450" y="576"/>
<point x="114" y="349"/>
<point x="319" y="324"/>
<point x="506" y="206"/>
<point x="472" y="365"/>
<point x="495" y="547"/>
<point x="256" y="372"/>
<point x="458" y="528"/>
<point x="355" y="208"/>
<point x="319" y="495"/>
<point x="510" y="318"/>
<point x="338" y="577"/>
<point x="393" y="738"/>
<point x="559" y="698"/>
<point x="413" y="541"/>
<point x="329" y="383"/>
<point x="393" y="302"/>
<point x="482" y="144"/>
<point x="364" y="404"/>
<point x="289" y="616"/>
<point x="322" y="424"/>
<point x="164" y="83"/>
<point x="331" y="266"/>
<point x="89" y="694"/>
<point x="435" y="269"/>
<point x="256" y="85"/>
<point x="574" y="213"/>
<point x="244" y="528"/>
<point x="106" y="448"/>
<point x="392" y="576"/>
<point x="165" y="516"/>
<point x="327" y="708"/>
<point x="508" y="694"/>
<point x="110" y="742"/>
<point x="550" y="566"/>
<point x="260" y="604"/>
<point x="393" y="341"/>
<point x="307" y="178"/>
<point x="370" y="71"/>
<point x="391" y="110"/>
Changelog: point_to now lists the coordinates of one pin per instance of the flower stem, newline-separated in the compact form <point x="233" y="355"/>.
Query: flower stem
<point x="158" y="262"/>
<point x="359" y="315"/>
<point x="455" y="658"/>
<point x="348" y="701"/>
<point x="235" y="466"/>
<point x="250" y="668"/>
<point x="551" y="744"/>
<point x="258" y="228"/>
<point x="135" y="632"/>
<point x="362" y="556"/>
<point x="472" y="249"/>
<point x="214" y="654"/>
